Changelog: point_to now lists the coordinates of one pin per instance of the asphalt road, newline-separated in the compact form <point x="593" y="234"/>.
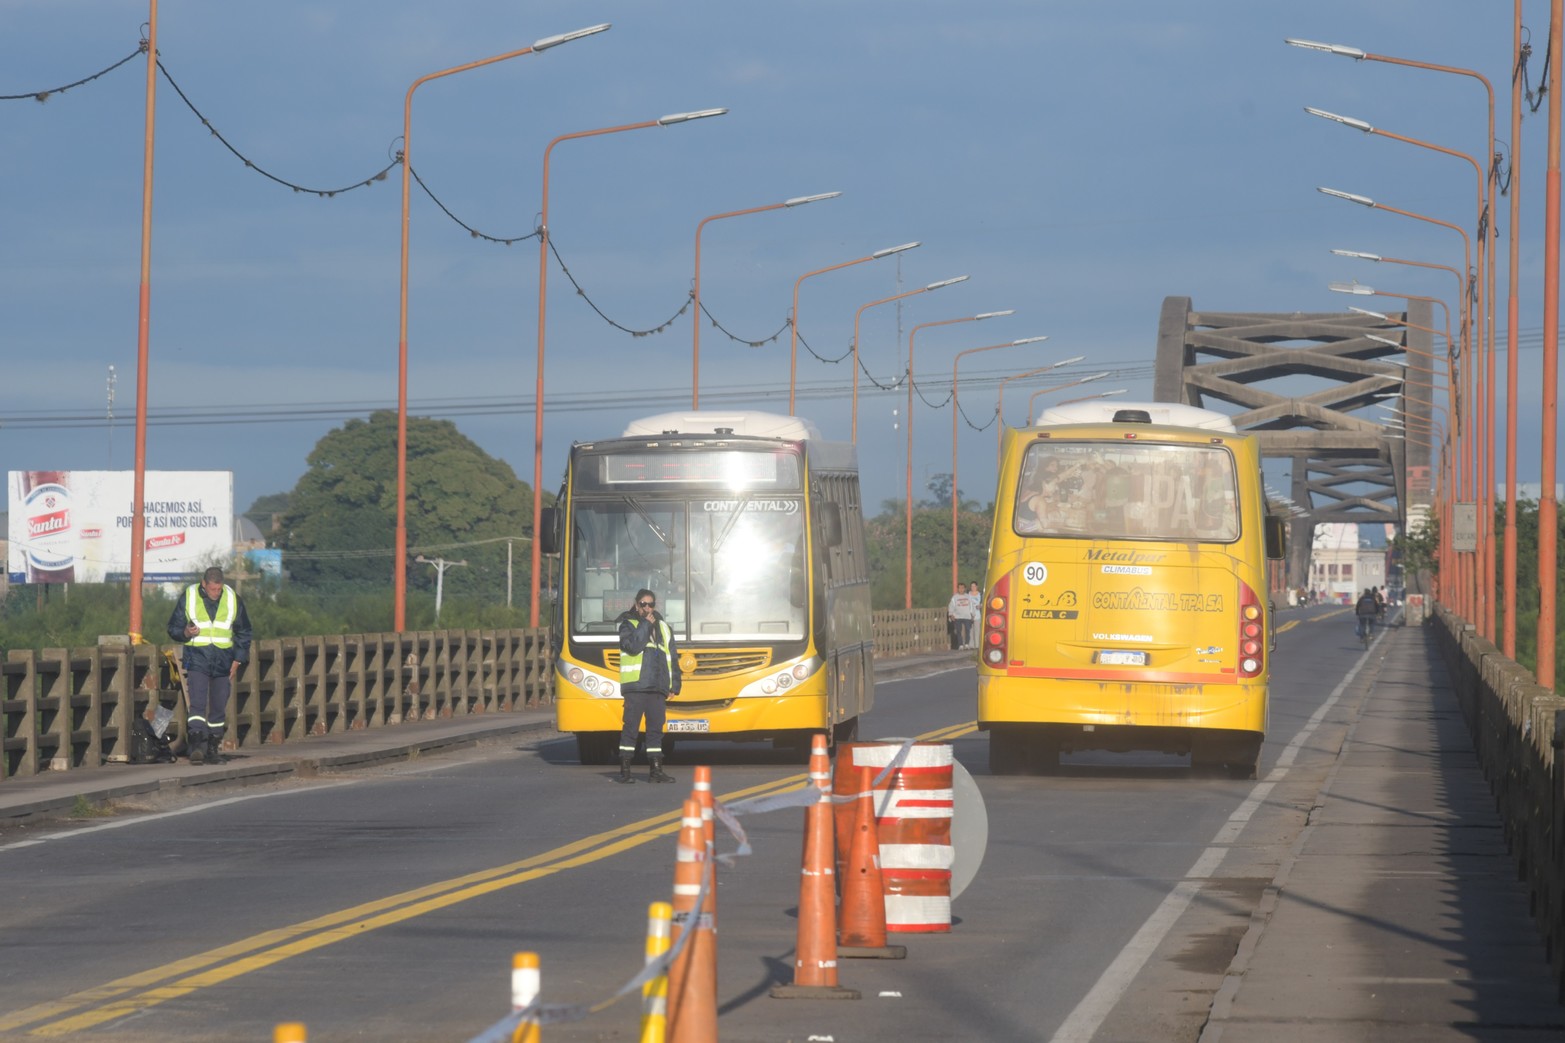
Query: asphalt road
<point x="387" y="903"/>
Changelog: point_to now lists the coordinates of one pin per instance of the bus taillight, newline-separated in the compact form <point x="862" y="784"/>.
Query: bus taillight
<point x="1251" y="638"/>
<point x="994" y="622"/>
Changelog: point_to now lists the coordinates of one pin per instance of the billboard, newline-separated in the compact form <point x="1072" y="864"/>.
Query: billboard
<point x="74" y="526"/>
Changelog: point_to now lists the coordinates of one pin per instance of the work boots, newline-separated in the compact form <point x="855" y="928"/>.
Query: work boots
<point x="195" y="746"/>
<point x="214" y="749"/>
<point x="624" y="768"/>
<point x="657" y="774"/>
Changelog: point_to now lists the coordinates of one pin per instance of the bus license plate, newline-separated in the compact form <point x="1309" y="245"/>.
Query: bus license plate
<point x="689" y="724"/>
<point x="1122" y="658"/>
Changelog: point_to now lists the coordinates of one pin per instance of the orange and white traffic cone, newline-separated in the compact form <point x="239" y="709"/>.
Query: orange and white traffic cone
<point x="815" y="952"/>
<point x="692" y="977"/>
<point x="863" y="915"/>
<point x="526" y="980"/>
<point x="654" y="994"/>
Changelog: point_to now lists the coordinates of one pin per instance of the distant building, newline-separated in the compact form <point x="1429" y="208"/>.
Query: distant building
<point x="1343" y="562"/>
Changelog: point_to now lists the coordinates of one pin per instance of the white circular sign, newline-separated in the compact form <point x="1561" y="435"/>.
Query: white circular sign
<point x="1036" y="573"/>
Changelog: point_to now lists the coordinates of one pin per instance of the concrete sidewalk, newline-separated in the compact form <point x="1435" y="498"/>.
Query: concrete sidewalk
<point x="1398" y="915"/>
<point x="59" y="794"/>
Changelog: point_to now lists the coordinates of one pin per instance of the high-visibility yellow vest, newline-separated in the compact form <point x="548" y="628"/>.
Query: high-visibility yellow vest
<point x="219" y="631"/>
<point x="630" y="665"/>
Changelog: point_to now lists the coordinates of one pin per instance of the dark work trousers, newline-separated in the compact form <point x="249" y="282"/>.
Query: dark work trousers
<point x="643" y="704"/>
<point x="206" y="699"/>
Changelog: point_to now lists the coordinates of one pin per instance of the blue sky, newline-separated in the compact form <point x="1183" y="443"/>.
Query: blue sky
<point x="1079" y="161"/>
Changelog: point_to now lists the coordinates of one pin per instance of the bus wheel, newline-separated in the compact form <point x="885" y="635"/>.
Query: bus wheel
<point x="597" y="747"/>
<point x="1007" y="750"/>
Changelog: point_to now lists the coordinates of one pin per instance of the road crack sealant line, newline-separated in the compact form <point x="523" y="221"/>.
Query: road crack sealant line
<point x="114" y="1000"/>
<point x="1094" y="1008"/>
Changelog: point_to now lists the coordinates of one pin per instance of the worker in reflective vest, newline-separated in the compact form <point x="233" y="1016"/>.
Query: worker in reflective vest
<point x="648" y="675"/>
<point x="211" y="622"/>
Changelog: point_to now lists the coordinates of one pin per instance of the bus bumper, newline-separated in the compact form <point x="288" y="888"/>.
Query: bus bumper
<point x="1030" y="700"/>
<point x="735" y="718"/>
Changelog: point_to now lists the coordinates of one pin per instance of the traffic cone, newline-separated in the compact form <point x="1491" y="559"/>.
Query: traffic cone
<point x="525" y="983"/>
<point x="815" y="952"/>
<point x="288" y="1032"/>
<point x="692" y="978"/>
<point x="863" y="914"/>
<point x="654" y="994"/>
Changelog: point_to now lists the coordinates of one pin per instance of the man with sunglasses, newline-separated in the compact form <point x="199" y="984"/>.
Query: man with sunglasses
<point x="648" y="675"/>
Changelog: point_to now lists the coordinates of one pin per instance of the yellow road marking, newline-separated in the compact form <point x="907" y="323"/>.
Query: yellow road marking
<point x="182" y="977"/>
<point x="1288" y="626"/>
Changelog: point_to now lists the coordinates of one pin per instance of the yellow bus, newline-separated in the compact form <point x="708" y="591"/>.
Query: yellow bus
<point x="1126" y="602"/>
<point x="749" y="528"/>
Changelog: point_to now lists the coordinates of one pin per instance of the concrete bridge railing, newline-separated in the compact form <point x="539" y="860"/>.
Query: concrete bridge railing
<point x="63" y="709"/>
<point x="1518" y="729"/>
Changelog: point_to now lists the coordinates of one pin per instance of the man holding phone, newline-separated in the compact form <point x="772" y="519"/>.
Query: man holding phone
<point x="648" y="675"/>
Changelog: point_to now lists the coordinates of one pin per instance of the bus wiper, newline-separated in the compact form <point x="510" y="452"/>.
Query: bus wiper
<point x="659" y="533"/>
<point x="733" y="518"/>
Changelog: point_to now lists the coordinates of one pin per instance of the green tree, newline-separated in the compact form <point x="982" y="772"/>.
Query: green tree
<point x="886" y="535"/>
<point x="265" y="508"/>
<point x="461" y="504"/>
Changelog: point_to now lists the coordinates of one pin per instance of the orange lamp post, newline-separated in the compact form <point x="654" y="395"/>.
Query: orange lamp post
<point x="138" y="519"/>
<point x="858" y="314"/>
<point x="543" y="300"/>
<point x="793" y="323"/>
<point x="400" y="554"/>
<point x="956" y="409"/>
<point x="1487" y="231"/>
<point x="999" y="404"/>
<point x="695" y="290"/>
<point x="1548" y="552"/>
<point x="1485" y="358"/>
<point x="907" y="594"/>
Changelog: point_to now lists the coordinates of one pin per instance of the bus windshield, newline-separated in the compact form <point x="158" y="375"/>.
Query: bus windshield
<point x="723" y="569"/>
<point x="1127" y="490"/>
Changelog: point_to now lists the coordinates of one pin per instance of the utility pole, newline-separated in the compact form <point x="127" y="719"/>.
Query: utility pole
<point x="441" y="564"/>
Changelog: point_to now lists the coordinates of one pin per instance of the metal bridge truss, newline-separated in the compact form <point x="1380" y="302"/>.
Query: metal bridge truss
<point x="1306" y="384"/>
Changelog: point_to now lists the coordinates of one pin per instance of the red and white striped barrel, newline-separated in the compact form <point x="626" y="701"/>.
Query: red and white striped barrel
<point x="913" y="805"/>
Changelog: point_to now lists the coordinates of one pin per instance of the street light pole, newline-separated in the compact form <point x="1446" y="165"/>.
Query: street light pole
<point x="793" y="323"/>
<point x="907" y="595"/>
<point x="1548" y="552"/>
<point x="138" y="519"/>
<point x="695" y="290"/>
<point x="1484" y="361"/>
<point x="956" y="409"/>
<point x="400" y="553"/>
<point x="865" y="307"/>
<point x="543" y="300"/>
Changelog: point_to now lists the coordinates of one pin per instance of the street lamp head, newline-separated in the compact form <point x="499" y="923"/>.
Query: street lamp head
<point x="1372" y="314"/>
<point x="686" y="117"/>
<point x="1346" y="121"/>
<point x="1384" y="340"/>
<point x="946" y="282"/>
<point x="1349" y="196"/>
<point x="1329" y="48"/>
<point x="1026" y="340"/>
<point x="1359" y="254"/>
<point x="801" y="200"/>
<point x="1095" y="376"/>
<point x="993" y="314"/>
<point x="554" y="41"/>
<point x="1356" y="288"/>
<point x="1070" y="361"/>
<point x="888" y="251"/>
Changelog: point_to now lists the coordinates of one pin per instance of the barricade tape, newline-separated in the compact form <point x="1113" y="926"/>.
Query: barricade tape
<point x="728" y="814"/>
<point x="561" y="1013"/>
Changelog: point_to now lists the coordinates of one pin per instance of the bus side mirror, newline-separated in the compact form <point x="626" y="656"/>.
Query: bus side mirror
<point x="1276" y="538"/>
<point x="548" y="534"/>
<point x="831" y="524"/>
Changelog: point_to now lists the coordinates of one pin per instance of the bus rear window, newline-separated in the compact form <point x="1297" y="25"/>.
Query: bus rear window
<point x="1127" y="490"/>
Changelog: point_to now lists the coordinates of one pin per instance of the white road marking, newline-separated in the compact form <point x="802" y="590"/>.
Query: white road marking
<point x="137" y="820"/>
<point x="1083" y="1022"/>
